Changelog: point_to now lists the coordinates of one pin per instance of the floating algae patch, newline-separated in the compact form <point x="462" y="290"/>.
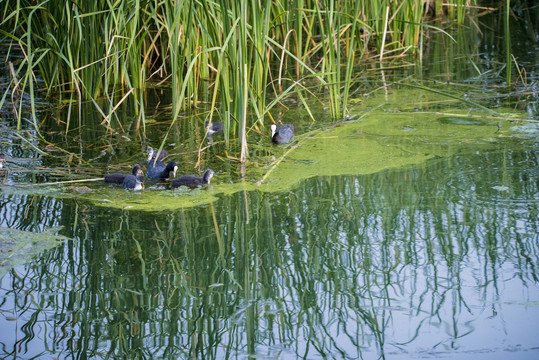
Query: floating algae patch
<point x="462" y="120"/>
<point x="163" y="199"/>
<point x="18" y="246"/>
<point x="166" y="199"/>
<point x="429" y="128"/>
<point x="338" y="155"/>
<point x="151" y="200"/>
<point x="383" y="141"/>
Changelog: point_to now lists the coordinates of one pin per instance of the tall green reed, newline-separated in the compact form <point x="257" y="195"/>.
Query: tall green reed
<point x="507" y="45"/>
<point x="232" y="52"/>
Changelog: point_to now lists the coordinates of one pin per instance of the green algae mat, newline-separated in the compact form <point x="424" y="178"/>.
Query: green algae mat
<point x="377" y="142"/>
<point x="17" y="246"/>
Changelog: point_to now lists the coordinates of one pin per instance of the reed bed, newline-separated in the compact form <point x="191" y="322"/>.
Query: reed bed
<point x="234" y="54"/>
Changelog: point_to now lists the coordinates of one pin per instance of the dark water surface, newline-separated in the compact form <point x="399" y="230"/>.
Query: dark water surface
<point x="409" y="231"/>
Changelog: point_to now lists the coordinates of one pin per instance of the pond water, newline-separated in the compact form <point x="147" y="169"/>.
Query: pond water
<point x="409" y="230"/>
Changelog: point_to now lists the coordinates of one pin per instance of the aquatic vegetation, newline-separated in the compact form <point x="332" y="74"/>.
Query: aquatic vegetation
<point x="407" y="227"/>
<point x="19" y="246"/>
<point x="244" y="50"/>
<point x="371" y="145"/>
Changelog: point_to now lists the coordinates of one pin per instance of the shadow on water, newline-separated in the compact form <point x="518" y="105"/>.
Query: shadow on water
<point x="417" y="261"/>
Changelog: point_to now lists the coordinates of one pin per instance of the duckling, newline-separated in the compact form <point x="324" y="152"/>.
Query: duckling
<point x="157" y="169"/>
<point x="193" y="181"/>
<point x="282" y="134"/>
<point x="214" y="127"/>
<point x="151" y="154"/>
<point x="133" y="182"/>
<point x="118" y="178"/>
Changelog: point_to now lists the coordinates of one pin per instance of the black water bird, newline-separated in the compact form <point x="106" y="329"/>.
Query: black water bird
<point x="133" y="182"/>
<point x="158" y="170"/>
<point x="118" y="178"/>
<point x="282" y="134"/>
<point x="192" y="180"/>
<point x="2" y="159"/>
<point x="214" y="127"/>
<point x="151" y="154"/>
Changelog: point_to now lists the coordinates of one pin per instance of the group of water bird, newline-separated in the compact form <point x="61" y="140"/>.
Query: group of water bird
<point x="157" y="170"/>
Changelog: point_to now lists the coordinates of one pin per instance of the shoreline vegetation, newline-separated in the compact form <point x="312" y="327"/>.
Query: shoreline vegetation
<point x="242" y="57"/>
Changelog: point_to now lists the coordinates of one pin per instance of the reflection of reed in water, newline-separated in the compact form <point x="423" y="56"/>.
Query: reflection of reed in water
<point x="341" y="266"/>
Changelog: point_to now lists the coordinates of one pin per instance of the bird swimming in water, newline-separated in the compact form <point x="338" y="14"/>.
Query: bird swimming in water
<point x="282" y="134"/>
<point x="158" y="170"/>
<point x="151" y="154"/>
<point x="192" y="180"/>
<point x="133" y="182"/>
<point x="215" y="127"/>
<point x="118" y="178"/>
